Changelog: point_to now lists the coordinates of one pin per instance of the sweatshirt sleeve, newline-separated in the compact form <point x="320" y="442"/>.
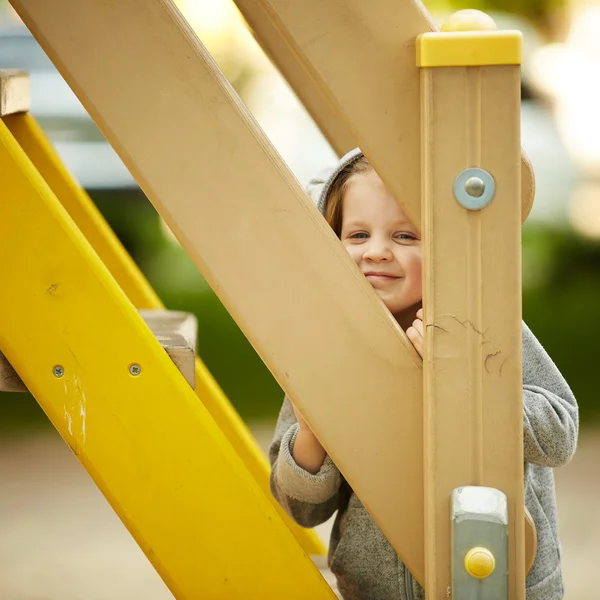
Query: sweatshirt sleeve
<point x="309" y="499"/>
<point x="550" y="415"/>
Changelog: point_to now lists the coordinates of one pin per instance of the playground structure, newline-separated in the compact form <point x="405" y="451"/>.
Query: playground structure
<point x="185" y="476"/>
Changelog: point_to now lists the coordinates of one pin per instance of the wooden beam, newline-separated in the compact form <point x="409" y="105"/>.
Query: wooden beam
<point x="473" y="394"/>
<point x="14" y="92"/>
<point x="353" y="65"/>
<point x="246" y="222"/>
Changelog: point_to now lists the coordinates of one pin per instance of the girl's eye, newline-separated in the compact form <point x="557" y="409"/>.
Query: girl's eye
<point x="359" y="235"/>
<point x="405" y="236"/>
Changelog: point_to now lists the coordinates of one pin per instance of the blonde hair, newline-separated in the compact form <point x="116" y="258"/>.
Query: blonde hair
<point x="334" y="199"/>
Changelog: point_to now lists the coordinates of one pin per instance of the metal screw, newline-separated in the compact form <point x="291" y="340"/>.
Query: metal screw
<point x="58" y="371"/>
<point x="475" y="187"/>
<point x="135" y="370"/>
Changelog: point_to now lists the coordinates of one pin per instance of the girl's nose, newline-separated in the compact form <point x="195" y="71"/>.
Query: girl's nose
<point x="377" y="252"/>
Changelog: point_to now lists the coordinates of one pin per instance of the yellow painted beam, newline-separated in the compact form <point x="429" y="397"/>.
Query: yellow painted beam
<point x="261" y="244"/>
<point x="150" y="446"/>
<point x="352" y="63"/>
<point x="92" y="224"/>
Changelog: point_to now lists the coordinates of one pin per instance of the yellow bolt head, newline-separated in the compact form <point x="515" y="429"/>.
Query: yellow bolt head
<point x="469" y="20"/>
<point x="480" y="562"/>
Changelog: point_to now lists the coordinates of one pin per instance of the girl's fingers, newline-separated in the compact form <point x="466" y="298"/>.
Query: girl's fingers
<point x="416" y="339"/>
<point x="418" y="325"/>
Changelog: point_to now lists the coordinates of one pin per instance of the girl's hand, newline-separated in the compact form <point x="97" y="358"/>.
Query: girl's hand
<point x="415" y="333"/>
<point x="303" y="424"/>
<point x="308" y="452"/>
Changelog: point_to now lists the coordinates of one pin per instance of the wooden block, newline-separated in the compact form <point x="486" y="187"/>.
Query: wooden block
<point x="15" y="96"/>
<point x="176" y="332"/>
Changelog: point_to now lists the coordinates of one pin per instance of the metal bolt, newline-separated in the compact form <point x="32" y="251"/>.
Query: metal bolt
<point x="135" y="370"/>
<point x="58" y="371"/>
<point x="475" y="187"/>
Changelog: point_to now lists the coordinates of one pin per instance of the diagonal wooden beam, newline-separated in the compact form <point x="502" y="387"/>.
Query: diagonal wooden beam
<point x="243" y="218"/>
<point x="353" y="65"/>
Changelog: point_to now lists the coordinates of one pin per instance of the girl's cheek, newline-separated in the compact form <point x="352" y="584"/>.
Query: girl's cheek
<point x="354" y="253"/>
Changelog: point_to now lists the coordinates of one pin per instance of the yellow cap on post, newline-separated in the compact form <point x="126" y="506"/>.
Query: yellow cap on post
<point x="480" y="562"/>
<point x="469" y="38"/>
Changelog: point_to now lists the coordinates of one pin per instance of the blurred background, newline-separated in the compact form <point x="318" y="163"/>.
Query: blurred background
<point x="44" y="486"/>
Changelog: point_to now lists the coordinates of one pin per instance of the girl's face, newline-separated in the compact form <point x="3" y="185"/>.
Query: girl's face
<point x="384" y="244"/>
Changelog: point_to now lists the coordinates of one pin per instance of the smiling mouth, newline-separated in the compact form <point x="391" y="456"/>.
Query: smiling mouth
<point x="381" y="277"/>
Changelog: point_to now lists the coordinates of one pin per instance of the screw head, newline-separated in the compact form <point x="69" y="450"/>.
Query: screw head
<point x="475" y="187"/>
<point x="135" y="370"/>
<point x="58" y="371"/>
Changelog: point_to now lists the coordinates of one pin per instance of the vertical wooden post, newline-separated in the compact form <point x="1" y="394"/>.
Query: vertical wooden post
<point x="470" y="84"/>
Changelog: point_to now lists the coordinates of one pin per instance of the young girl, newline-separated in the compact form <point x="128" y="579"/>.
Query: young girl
<point x="387" y="248"/>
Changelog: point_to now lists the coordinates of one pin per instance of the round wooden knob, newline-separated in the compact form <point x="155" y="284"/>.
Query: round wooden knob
<point x="469" y="20"/>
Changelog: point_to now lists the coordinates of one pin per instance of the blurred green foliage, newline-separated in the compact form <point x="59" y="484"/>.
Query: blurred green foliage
<point x="535" y="10"/>
<point x="561" y="304"/>
<point x="560" y="298"/>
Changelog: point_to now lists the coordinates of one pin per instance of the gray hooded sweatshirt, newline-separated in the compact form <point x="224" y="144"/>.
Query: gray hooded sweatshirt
<point x="364" y="563"/>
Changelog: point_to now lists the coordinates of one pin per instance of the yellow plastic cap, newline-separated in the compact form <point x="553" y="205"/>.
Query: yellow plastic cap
<point x="480" y="562"/>
<point x="469" y="20"/>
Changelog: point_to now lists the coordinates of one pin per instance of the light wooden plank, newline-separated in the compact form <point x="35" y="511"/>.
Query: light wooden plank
<point x="353" y="65"/>
<point x="256" y="237"/>
<point x="15" y="94"/>
<point x="472" y="297"/>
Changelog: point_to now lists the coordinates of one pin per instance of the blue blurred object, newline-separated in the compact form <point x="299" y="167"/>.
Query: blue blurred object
<point x="79" y="142"/>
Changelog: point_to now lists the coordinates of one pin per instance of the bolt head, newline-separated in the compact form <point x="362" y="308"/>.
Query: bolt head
<point x="58" y="371"/>
<point x="135" y="370"/>
<point x="480" y="562"/>
<point x="474" y="187"/>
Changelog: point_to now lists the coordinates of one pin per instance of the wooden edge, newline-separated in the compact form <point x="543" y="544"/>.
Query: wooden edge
<point x="176" y="332"/>
<point x="9" y="379"/>
<point x="315" y="46"/>
<point x="15" y="93"/>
